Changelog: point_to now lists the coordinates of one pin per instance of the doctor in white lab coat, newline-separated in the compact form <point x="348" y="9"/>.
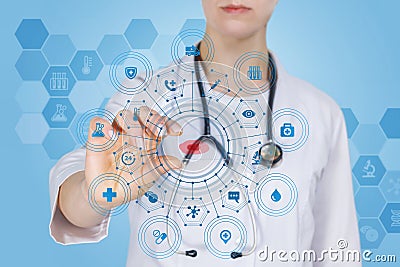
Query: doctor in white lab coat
<point x="323" y="213"/>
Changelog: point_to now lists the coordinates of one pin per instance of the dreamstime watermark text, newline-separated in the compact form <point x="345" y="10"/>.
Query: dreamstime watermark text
<point x="339" y="254"/>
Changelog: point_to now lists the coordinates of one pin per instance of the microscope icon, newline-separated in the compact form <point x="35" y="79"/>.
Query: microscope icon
<point x="369" y="170"/>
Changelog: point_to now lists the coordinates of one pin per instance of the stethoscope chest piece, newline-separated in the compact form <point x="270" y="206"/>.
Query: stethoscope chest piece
<point x="270" y="154"/>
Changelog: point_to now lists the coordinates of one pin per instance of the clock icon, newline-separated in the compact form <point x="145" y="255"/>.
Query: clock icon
<point x="128" y="158"/>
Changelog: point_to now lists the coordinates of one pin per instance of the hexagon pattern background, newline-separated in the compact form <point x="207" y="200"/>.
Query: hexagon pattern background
<point x="59" y="76"/>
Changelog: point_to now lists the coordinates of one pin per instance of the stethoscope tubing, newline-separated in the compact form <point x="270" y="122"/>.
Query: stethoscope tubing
<point x="207" y="137"/>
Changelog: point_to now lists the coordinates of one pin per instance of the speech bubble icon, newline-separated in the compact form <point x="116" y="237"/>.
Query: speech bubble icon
<point x="234" y="195"/>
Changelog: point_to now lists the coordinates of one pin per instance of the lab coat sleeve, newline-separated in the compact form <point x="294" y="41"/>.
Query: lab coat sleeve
<point x="61" y="230"/>
<point x="334" y="209"/>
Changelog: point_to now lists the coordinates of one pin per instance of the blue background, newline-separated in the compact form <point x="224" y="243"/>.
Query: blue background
<point x="348" y="48"/>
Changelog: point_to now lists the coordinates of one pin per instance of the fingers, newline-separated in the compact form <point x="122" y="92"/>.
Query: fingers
<point x="173" y="128"/>
<point x="158" y="125"/>
<point x="100" y="131"/>
<point x="101" y="138"/>
<point x="101" y="135"/>
<point x="144" y="127"/>
<point x="132" y="130"/>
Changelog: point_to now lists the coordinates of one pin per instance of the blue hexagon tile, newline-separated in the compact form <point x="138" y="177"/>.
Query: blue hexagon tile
<point x="103" y="84"/>
<point x="31" y="65"/>
<point x="390" y="186"/>
<point x="351" y="121"/>
<point x="150" y="56"/>
<point x="369" y="138"/>
<point x="59" y="81"/>
<point x="369" y="202"/>
<point x="73" y="128"/>
<point x="369" y="170"/>
<point x="111" y="46"/>
<point x="86" y="65"/>
<point x="390" y="218"/>
<point x="58" y="142"/>
<point x="390" y="154"/>
<point x="31" y="97"/>
<point x="59" y="112"/>
<point x="59" y="49"/>
<point x="371" y="233"/>
<point x="356" y="185"/>
<point x="85" y="96"/>
<point x="390" y="123"/>
<point x="31" y="33"/>
<point x="162" y="49"/>
<point x="104" y="103"/>
<point x="354" y="154"/>
<point x="32" y="128"/>
<point x="194" y="24"/>
<point x="141" y="33"/>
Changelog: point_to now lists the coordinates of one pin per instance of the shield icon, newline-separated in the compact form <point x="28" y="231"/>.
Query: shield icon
<point x="130" y="72"/>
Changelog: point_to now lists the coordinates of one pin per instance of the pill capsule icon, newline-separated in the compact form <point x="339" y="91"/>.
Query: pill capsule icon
<point x="160" y="237"/>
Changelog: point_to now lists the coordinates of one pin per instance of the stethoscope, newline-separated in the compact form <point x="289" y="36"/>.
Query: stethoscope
<point x="270" y="153"/>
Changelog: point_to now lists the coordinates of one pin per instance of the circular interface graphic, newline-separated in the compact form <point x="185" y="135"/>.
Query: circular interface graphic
<point x="159" y="237"/>
<point x="291" y="129"/>
<point x="207" y="170"/>
<point x="109" y="194"/>
<point x="276" y="195"/>
<point x="185" y="44"/>
<point x="254" y="72"/>
<point x="97" y="133"/>
<point x="124" y="71"/>
<point x="225" y="235"/>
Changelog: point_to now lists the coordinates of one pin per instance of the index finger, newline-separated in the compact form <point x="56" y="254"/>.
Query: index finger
<point x="158" y="125"/>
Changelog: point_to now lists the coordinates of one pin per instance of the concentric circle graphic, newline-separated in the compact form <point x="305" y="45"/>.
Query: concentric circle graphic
<point x="84" y="126"/>
<point x="276" y="195"/>
<point x="124" y="72"/>
<point x="158" y="242"/>
<point x="105" y="189"/>
<point x="225" y="235"/>
<point x="292" y="129"/>
<point x="206" y="172"/>
<point x="185" y="44"/>
<point x="261" y="67"/>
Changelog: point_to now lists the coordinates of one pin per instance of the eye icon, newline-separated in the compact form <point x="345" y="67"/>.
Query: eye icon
<point x="248" y="113"/>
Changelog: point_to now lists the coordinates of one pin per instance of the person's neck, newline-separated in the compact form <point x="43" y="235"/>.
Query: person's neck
<point x="227" y="50"/>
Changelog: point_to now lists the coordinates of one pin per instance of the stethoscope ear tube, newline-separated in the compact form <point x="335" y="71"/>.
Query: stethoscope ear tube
<point x="191" y="253"/>
<point x="235" y="255"/>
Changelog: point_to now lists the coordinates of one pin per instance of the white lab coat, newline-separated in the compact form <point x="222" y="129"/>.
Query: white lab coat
<point x="324" y="212"/>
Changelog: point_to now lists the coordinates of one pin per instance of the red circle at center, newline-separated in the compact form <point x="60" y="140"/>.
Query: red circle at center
<point x="194" y="146"/>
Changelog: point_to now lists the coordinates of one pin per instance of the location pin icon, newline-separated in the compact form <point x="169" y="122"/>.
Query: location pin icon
<point x="225" y="236"/>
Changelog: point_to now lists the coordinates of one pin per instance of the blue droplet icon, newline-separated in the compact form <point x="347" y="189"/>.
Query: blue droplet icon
<point x="276" y="196"/>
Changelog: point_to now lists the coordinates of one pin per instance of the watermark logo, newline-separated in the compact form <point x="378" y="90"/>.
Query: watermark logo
<point x="339" y="254"/>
